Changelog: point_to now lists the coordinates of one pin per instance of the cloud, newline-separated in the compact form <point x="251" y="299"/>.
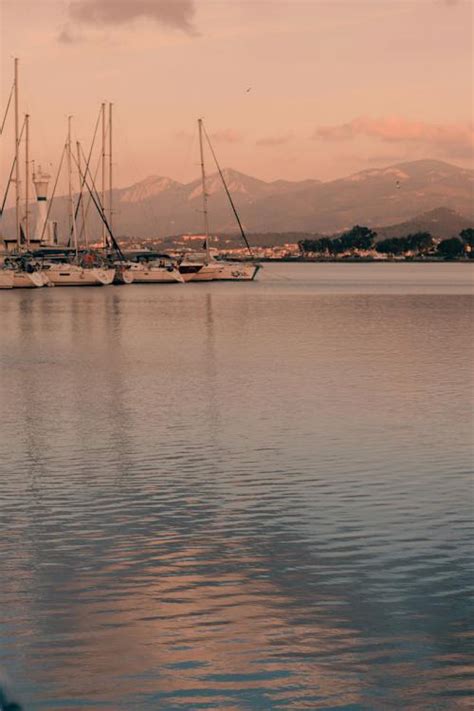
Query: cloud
<point x="274" y="140"/>
<point x="227" y="135"/>
<point x="67" y="35"/>
<point x="176" y="14"/>
<point x="455" y="139"/>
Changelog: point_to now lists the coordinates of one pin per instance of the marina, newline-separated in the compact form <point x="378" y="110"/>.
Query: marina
<point x="37" y="259"/>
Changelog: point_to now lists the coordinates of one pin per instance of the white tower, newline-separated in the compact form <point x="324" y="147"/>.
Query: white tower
<point x="42" y="232"/>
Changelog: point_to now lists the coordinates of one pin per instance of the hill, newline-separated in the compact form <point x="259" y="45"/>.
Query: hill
<point x="441" y="223"/>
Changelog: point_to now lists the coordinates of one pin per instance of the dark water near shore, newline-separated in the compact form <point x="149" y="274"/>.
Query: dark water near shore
<point x="240" y="496"/>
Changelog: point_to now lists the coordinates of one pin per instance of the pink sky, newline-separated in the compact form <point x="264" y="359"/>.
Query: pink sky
<point x="335" y="87"/>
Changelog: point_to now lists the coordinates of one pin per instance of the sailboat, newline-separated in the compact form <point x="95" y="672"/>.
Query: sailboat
<point x="70" y="267"/>
<point x="213" y="269"/>
<point x="18" y="269"/>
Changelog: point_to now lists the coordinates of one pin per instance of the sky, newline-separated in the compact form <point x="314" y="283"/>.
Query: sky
<point x="289" y="89"/>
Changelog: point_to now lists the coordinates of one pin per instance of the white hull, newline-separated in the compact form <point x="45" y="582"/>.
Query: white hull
<point x="29" y="280"/>
<point x="74" y="275"/>
<point x="150" y="274"/>
<point x="238" y="271"/>
<point x="6" y="279"/>
<point x="208" y="272"/>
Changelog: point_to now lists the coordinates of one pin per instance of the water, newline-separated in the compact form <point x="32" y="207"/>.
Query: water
<point x="240" y="496"/>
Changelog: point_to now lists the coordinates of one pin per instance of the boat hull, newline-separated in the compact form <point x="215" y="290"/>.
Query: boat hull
<point x="29" y="280"/>
<point x="208" y="272"/>
<point x="6" y="279"/>
<point x="144" y="274"/>
<point x="238" y="271"/>
<point x="72" y="275"/>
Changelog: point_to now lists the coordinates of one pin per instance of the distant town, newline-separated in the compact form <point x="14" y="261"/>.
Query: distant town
<point x="360" y="243"/>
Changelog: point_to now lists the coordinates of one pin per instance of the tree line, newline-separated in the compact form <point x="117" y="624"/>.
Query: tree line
<point x="361" y="238"/>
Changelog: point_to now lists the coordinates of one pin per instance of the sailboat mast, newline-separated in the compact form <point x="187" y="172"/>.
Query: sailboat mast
<point x="102" y="196"/>
<point x="72" y="220"/>
<point x="83" y="212"/>
<point x="17" y="157"/>
<point x="110" y="165"/>
<point x="204" y="191"/>
<point x="27" y="179"/>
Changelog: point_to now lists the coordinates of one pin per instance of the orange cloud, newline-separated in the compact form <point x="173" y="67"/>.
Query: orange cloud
<point x="453" y="138"/>
<point x="177" y="14"/>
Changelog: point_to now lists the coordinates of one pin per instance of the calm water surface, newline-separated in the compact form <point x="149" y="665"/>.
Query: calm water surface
<point x="240" y="496"/>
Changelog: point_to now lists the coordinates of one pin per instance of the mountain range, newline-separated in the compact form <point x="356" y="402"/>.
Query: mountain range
<point x="159" y="206"/>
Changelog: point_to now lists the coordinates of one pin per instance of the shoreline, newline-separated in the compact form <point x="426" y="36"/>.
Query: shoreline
<point x="348" y="260"/>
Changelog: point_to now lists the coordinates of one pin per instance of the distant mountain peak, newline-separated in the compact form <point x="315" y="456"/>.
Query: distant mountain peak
<point x="150" y="186"/>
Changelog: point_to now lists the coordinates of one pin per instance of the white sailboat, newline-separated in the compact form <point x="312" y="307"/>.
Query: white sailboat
<point x="80" y="270"/>
<point x="153" y="268"/>
<point x="19" y="271"/>
<point x="66" y="274"/>
<point x="213" y="269"/>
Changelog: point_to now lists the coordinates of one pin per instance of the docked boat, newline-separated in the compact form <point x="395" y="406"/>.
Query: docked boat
<point x="64" y="274"/>
<point x="68" y="267"/>
<point x="152" y="268"/>
<point x="22" y="272"/>
<point x="19" y="270"/>
<point x="212" y="269"/>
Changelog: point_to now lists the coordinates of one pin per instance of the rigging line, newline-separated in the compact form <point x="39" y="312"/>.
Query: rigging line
<point x="88" y="204"/>
<point x="82" y="185"/>
<point x="50" y="204"/>
<point x="101" y="211"/>
<point x="244" y="237"/>
<point x="8" y="106"/>
<point x="10" y="178"/>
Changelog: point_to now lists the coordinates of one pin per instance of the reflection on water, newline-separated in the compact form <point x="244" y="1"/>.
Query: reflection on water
<point x="251" y="496"/>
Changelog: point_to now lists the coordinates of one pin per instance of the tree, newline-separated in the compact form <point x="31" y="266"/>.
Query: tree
<point x="392" y="246"/>
<point x="358" y="238"/>
<point x="419" y="242"/>
<point x="451" y="248"/>
<point x="467" y="236"/>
